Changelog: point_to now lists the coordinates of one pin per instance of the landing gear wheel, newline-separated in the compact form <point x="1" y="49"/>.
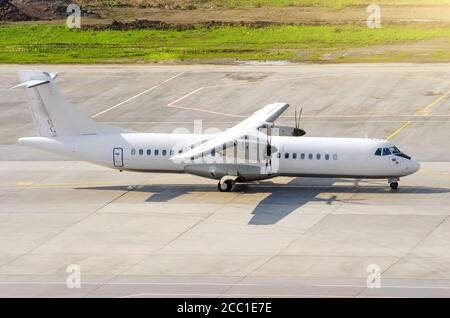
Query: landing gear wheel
<point x="394" y="185"/>
<point x="225" y="186"/>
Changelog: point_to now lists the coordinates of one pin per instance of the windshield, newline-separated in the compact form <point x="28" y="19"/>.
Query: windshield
<point x="391" y="151"/>
<point x="395" y="150"/>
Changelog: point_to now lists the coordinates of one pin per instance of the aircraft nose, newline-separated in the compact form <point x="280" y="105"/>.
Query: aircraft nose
<point x="415" y="165"/>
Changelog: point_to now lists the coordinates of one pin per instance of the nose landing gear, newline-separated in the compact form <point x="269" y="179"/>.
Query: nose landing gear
<point x="226" y="185"/>
<point x="393" y="183"/>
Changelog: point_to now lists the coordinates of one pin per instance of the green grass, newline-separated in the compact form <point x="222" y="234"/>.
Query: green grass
<point x="55" y="44"/>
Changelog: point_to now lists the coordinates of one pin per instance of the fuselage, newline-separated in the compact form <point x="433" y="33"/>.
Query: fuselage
<point x="294" y="156"/>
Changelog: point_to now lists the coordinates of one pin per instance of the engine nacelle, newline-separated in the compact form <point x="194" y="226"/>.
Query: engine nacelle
<point x="218" y="171"/>
<point x="289" y="131"/>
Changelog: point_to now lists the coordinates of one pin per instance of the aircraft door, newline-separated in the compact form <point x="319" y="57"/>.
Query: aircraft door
<point x="118" y="157"/>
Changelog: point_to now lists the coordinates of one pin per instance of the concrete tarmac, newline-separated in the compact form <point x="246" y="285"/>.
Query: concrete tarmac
<point x="161" y="235"/>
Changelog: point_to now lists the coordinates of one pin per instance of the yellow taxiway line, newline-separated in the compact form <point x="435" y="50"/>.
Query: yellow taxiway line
<point x="420" y="112"/>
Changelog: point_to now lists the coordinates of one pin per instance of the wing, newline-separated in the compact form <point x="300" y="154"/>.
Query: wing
<point x="267" y="114"/>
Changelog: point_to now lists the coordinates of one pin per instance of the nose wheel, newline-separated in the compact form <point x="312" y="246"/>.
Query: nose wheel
<point x="225" y="186"/>
<point x="393" y="183"/>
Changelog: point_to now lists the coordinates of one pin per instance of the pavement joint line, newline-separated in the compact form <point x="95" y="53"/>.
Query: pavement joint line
<point x="172" y="104"/>
<point x="31" y="185"/>
<point x="35" y="185"/>
<point x="137" y="95"/>
<point x="297" y="237"/>
<point x="408" y="253"/>
<point x="127" y="283"/>
<point x="155" y="252"/>
<point x="64" y="230"/>
<point x="283" y="116"/>
<point x="206" y="111"/>
<point x="386" y="286"/>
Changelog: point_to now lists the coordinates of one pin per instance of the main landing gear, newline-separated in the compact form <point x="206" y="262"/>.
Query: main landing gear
<point x="226" y="185"/>
<point x="393" y="183"/>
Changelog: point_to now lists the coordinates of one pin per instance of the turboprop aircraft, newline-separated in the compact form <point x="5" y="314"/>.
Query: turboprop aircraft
<point x="254" y="149"/>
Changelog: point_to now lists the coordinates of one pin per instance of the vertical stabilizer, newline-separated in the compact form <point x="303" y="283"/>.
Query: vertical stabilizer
<point x="52" y="114"/>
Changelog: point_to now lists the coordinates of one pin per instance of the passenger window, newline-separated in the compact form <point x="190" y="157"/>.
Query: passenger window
<point x="310" y="156"/>
<point x="302" y="156"/>
<point x="327" y="157"/>
<point x="156" y="152"/>
<point x="318" y="156"/>
<point x="149" y="152"/>
<point x="286" y="155"/>
<point x="141" y="151"/>
<point x="294" y="155"/>
<point x="133" y="152"/>
<point x="164" y="152"/>
<point x="378" y="152"/>
<point x="386" y="152"/>
<point x="171" y="152"/>
<point x="180" y="151"/>
<point x="335" y="157"/>
<point x="213" y="152"/>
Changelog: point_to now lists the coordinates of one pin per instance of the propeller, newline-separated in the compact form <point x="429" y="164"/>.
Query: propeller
<point x="298" y="132"/>
<point x="269" y="148"/>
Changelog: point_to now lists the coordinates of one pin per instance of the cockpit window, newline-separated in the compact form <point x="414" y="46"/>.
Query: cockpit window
<point x="394" y="150"/>
<point x="378" y="152"/>
<point x="403" y="155"/>
<point x="386" y="152"/>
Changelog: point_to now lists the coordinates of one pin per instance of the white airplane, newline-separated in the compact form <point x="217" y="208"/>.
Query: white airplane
<point x="247" y="152"/>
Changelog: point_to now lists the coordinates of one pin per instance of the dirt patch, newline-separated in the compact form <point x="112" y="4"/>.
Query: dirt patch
<point x="10" y="12"/>
<point x="161" y="25"/>
<point x="35" y="10"/>
<point x="174" y="12"/>
<point x="249" y="77"/>
<point x="427" y="15"/>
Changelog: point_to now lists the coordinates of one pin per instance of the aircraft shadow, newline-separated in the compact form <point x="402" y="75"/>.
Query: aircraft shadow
<point x="282" y="199"/>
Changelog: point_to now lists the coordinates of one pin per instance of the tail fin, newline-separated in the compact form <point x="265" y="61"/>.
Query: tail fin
<point x="52" y="114"/>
